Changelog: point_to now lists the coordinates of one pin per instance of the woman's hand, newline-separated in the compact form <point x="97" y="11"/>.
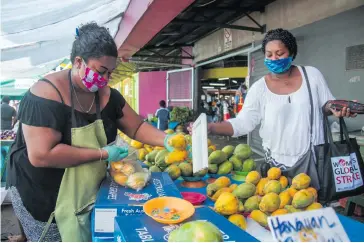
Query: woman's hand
<point x="209" y="128"/>
<point x="115" y="153"/>
<point x="345" y="112"/>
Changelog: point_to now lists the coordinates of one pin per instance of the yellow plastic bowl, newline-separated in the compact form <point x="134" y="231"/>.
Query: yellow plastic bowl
<point x="169" y="210"/>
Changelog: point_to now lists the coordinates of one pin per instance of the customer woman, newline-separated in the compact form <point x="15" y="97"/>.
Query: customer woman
<point x="281" y="102"/>
<point x="66" y="121"/>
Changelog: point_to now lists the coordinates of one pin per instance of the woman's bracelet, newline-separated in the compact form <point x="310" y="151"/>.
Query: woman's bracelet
<point x="100" y="154"/>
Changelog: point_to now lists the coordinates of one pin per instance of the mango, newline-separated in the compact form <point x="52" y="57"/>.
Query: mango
<point x="284" y="182"/>
<point x="292" y="191"/>
<point x="186" y="169"/>
<point x="313" y="191"/>
<point x="176" y="156"/>
<point x="241" y="207"/>
<point x="252" y="203"/>
<point x="237" y="163"/>
<point x="217" y="157"/>
<point x="253" y="177"/>
<point x="212" y="147"/>
<point x="211" y="189"/>
<point x="260" y="186"/>
<point x="243" y="151"/>
<point x="136" y="144"/>
<point x="285" y="198"/>
<point x="213" y="168"/>
<point x="274" y="173"/>
<point x="158" y="148"/>
<point x="270" y="202"/>
<point x="201" y="173"/>
<point x="219" y="192"/>
<point x="292" y="209"/>
<point x="272" y="186"/>
<point x="227" y="204"/>
<point x="280" y="211"/>
<point x="302" y="199"/>
<point x="222" y="181"/>
<point x="141" y="154"/>
<point x="188" y="139"/>
<point x="249" y="165"/>
<point x="151" y="156"/>
<point x="301" y="181"/>
<point x="225" y="168"/>
<point x="228" y="150"/>
<point x="314" y="206"/>
<point x="210" y="151"/>
<point x="233" y="186"/>
<point x="160" y="158"/>
<point x="238" y="220"/>
<point x="169" y="131"/>
<point x="154" y="168"/>
<point x="259" y="217"/>
<point x="174" y="171"/>
<point x="244" y="191"/>
<point x="178" y="142"/>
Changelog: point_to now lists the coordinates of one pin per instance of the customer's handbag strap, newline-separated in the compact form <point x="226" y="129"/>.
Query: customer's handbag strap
<point x="311" y="103"/>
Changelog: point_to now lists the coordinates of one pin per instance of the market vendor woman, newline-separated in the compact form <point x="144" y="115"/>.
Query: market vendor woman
<point x="66" y="121"/>
<point x="282" y="102"/>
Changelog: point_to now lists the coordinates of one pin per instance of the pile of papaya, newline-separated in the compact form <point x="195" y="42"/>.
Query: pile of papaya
<point x="230" y="158"/>
<point x="262" y="197"/>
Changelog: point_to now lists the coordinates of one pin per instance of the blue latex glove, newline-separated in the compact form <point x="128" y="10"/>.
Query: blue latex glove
<point x="166" y="145"/>
<point x="116" y="153"/>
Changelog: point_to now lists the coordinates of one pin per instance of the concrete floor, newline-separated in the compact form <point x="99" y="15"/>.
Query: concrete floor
<point x="10" y="226"/>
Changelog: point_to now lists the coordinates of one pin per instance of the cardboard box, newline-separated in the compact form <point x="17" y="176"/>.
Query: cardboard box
<point x="145" y="229"/>
<point x="115" y="200"/>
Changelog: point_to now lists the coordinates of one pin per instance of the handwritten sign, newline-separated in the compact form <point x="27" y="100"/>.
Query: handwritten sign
<point x="346" y="173"/>
<point x="199" y="141"/>
<point x="310" y="226"/>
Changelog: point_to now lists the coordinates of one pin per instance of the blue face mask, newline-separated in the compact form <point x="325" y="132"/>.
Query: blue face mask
<point x="278" y="66"/>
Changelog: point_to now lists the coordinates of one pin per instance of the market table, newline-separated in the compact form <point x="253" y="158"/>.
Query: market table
<point x="353" y="228"/>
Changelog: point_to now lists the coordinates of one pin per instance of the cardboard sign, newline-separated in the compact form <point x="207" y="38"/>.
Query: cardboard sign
<point x="199" y="141"/>
<point x="145" y="229"/>
<point x="309" y="226"/>
<point x="346" y="173"/>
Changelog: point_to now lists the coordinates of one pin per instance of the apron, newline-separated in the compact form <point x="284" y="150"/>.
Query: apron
<point x="80" y="184"/>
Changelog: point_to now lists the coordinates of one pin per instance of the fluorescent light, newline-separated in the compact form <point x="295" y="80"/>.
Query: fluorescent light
<point x="223" y="88"/>
<point x="217" y="84"/>
<point x="207" y="87"/>
<point x="223" y="78"/>
<point x="235" y="82"/>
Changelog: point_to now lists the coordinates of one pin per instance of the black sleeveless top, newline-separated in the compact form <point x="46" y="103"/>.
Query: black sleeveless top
<point x="39" y="187"/>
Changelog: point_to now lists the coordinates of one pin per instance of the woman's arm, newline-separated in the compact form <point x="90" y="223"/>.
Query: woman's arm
<point x="44" y="149"/>
<point x="223" y="128"/>
<point x="133" y="126"/>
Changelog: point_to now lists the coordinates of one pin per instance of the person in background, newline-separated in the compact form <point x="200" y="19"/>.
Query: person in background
<point x="209" y="112"/>
<point x="163" y="116"/>
<point x="8" y="114"/>
<point x="60" y="156"/>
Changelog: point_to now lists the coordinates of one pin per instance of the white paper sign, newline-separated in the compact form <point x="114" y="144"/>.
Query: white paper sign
<point x="199" y="144"/>
<point x="310" y="226"/>
<point x="346" y="173"/>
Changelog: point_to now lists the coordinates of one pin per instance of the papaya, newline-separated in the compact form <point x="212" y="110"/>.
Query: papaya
<point x="270" y="202"/>
<point x="233" y="186"/>
<point x="211" y="189"/>
<point x="228" y="150"/>
<point x="178" y="142"/>
<point x="210" y="151"/>
<point x="136" y="144"/>
<point x="284" y="182"/>
<point x="252" y="203"/>
<point x="213" y="147"/>
<point x="128" y="169"/>
<point x="244" y="191"/>
<point x="151" y="156"/>
<point x="274" y="173"/>
<point x="313" y="191"/>
<point x="213" y="168"/>
<point x="176" y="156"/>
<point x="249" y="165"/>
<point x="222" y="181"/>
<point x="259" y="217"/>
<point x="301" y="181"/>
<point x="241" y="207"/>
<point x="160" y="158"/>
<point x="217" y="157"/>
<point x="196" y="231"/>
<point x="116" y="166"/>
<point x="120" y="178"/>
<point x="201" y="173"/>
<point x="219" y="192"/>
<point x="260" y="186"/>
<point x="272" y="186"/>
<point x="243" y="151"/>
<point x="314" y="206"/>
<point x="174" y="171"/>
<point x="302" y="199"/>
<point x="280" y="211"/>
<point x="186" y="169"/>
<point x="155" y="168"/>
<point x="291" y="191"/>
<point x="292" y="209"/>
<point x="225" y="168"/>
<point x="147" y="163"/>
<point x="253" y="177"/>
<point x="285" y="198"/>
<point x="238" y="220"/>
<point x="158" y="148"/>
<point x="227" y="204"/>
<point x="141" y="154"/>
<point x="237" y="163"/>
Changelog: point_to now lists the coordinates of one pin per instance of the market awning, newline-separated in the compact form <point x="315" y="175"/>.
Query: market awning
<point x="15" y="89"/>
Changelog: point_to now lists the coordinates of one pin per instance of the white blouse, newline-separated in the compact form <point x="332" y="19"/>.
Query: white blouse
<point x="285" y="119"/>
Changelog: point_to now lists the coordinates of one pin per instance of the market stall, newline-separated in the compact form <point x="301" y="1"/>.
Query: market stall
<point x="238" y="200"/>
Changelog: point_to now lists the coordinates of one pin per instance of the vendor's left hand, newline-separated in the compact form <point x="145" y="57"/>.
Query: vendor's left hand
<point x="345" y="112"/>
